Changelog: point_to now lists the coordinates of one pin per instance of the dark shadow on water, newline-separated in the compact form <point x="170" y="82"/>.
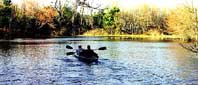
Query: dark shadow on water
<point x="65" y="59"/>
<point x="5" y="58"/>
<point x="5" y="48"/>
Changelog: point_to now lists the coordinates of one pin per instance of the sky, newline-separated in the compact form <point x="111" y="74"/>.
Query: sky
<point x="127" y="3"/>
<point x="157" y="3"/>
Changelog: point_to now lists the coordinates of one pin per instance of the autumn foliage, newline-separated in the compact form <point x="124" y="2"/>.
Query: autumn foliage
<point x="183" y="22"/>
<point x="60" y="19"/>
<point x="31" y="8"/>
<point x="46" y="14"/>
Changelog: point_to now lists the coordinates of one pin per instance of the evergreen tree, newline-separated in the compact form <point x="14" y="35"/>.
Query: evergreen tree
<point x="7" y="2"/>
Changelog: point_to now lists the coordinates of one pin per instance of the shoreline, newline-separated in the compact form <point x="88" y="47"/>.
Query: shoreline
<point x="149" y="37"/>
<point x="121" y="37"/>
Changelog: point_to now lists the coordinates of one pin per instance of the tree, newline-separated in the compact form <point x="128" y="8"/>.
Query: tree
<point x="143" y="20"/>
<point x="98" y="19"/>
<point x="183" y="21"/>
<point x="182" y="24"/>
<point x="110" y="19"/>
<point x="193" y="47"/>
<point x="86" y="22"/>
<point x="7" y="2"/>
<point x="30" y="8"/>
<point x="5" y="14"/>
<point x="46" y="14"/>
<point x="1" y="3"/>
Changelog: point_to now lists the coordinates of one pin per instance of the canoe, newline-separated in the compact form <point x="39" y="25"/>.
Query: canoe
<point x="87" y="59"/>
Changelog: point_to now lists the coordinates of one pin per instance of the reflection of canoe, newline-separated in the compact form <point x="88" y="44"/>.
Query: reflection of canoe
<point x="87" y="59"/>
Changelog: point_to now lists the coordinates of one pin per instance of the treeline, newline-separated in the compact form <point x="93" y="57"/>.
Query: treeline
<point x="31" y="20"/>
<point x="60" y="19"/>
<point x="181" y="21"/>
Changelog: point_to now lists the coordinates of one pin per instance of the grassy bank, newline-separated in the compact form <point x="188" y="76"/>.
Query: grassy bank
<point x="154" y="36"/>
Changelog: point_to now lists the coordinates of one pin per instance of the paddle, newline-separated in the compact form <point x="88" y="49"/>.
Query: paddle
<point x="102" y="48"/>
<point x="70" y="53"/>
<point x="69" y="47"/>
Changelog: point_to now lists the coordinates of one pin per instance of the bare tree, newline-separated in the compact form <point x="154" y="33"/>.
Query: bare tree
<point x="190" y="6"/>
<point x="89" y="5"/>
<point x="82" y="5"/>
<point x="193" y="47"/>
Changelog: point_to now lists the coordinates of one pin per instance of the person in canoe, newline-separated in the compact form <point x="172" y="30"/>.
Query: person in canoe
<point x="79" y="50"/>
<point x="89" y="52"/>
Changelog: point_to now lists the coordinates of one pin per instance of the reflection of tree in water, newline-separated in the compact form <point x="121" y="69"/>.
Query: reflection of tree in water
<point x="5" y="48"/>
<point x="5" y="56"/>
<point x="193" y="47"/>
<point x="124" y="38"/>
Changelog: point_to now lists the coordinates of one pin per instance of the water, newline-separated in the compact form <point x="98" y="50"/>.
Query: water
<point x="43" y="62"/>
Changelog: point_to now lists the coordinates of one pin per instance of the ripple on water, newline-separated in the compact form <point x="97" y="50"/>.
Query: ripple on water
<point x="124" y="63"/>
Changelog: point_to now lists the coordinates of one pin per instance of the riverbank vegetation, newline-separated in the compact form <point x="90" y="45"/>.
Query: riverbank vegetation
<point x="66" y="19"/>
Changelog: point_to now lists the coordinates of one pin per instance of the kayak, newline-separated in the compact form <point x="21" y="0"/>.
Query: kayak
<point x="87" y="59"/>
<point x="87" y="56"/>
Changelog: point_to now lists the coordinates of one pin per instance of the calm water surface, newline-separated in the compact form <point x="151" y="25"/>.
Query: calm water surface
<point x="43" y="62"/>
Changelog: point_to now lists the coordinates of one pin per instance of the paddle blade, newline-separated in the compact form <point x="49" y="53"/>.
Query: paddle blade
<point x="102" y="48"/>
<point x="70" y="53"/>
<point x="69" y="47"/>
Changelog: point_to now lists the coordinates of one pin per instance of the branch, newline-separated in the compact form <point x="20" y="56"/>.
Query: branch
<point x="191" y="47"/>
<point x="84" y="4"/>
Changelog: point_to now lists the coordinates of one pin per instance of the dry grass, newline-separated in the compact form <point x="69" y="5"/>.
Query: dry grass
<point x="150" y="36"/>
<point x="96" y="32"/>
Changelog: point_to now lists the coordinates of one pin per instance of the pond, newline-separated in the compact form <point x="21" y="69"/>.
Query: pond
<point x="127" y="62"/>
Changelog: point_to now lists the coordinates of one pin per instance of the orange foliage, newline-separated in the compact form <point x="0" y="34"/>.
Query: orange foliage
<point x="172" y="22"/>
<point x="46" y="14"/>
<point x="179" y="21"/>
<point x="31" y="8"/>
